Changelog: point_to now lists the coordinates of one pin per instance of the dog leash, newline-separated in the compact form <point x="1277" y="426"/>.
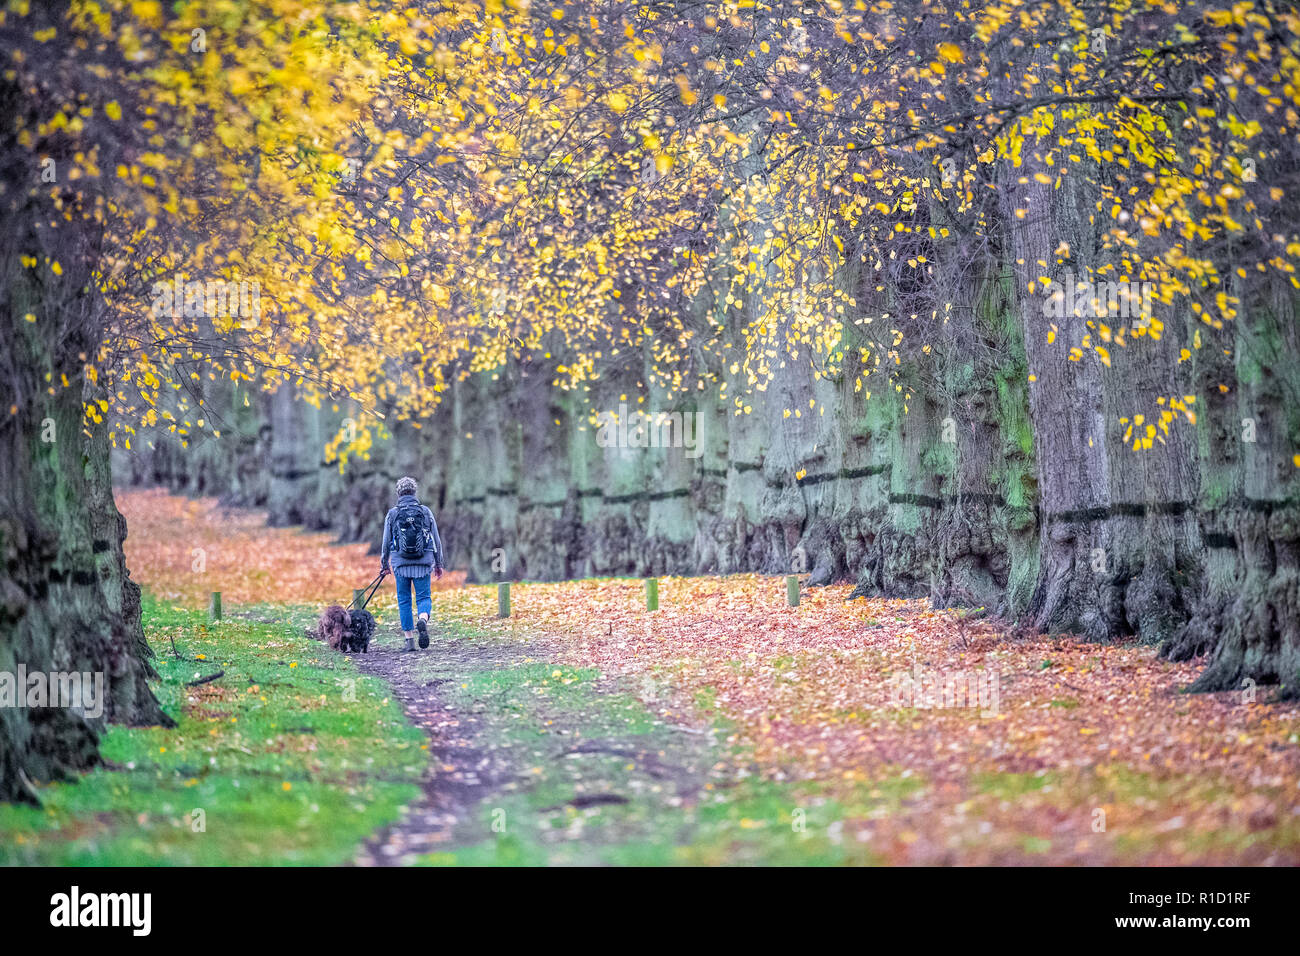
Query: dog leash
<point x="373" y="588"/>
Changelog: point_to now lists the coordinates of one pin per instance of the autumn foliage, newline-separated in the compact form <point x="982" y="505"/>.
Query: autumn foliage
<point x="419" y="192"/>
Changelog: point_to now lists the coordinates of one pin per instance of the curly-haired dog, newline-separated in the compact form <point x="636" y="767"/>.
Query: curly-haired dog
<point x="335" y="626"/>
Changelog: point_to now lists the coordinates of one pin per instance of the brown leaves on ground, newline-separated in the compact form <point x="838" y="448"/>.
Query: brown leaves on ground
<point x="183" y="549"/>
<point x="1039" y="749"/>
<point x="947" y="740"/>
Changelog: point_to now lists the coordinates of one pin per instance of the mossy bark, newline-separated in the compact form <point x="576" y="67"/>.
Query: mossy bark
<point x="1065" y="400"/>
<point x="1257" y="615"/>
<point x="66" y="602"/>
<point x="986" y="541"/>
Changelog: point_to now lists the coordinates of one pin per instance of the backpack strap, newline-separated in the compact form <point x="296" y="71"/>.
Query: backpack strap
<point x="433" y="544"/>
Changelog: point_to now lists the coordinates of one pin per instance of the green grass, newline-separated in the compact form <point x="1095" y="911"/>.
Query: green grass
<point x="752" y="823"/>
<point x="292" y="757"/>
<point x="1012" y="786"/>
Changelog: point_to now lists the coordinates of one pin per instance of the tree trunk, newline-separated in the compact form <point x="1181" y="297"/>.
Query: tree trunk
<point x="986" y="544"/>
<point x="66" y="603"/>
<point x="1257" y="617"/>
<point x="296" y="446"/>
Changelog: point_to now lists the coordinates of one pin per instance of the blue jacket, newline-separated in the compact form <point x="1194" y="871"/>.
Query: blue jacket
<point x="411" y="567"/>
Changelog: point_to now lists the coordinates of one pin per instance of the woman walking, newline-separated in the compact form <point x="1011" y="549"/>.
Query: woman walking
<point x="414" y="551"/>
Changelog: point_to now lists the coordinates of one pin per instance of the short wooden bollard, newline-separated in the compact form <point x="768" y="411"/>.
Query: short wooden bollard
<point x="652" y="594"/>
<point x="503" y="599"/>
<point x="792" y="590"/>
<point x="214" y="607"/>
<point x="358" y="595"/>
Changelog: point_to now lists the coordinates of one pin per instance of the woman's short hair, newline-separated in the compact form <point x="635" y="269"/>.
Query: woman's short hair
<point x="405" y="486"/>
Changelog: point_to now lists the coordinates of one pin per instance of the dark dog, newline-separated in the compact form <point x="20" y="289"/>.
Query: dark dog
<point x="346" y="631"/>
<point x="363" y="628"/>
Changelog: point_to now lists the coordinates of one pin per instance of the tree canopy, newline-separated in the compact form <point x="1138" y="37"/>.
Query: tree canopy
<point x="417" y="192"/>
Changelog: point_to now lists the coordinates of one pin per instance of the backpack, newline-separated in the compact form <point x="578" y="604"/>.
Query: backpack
<point x="411" y="532"/>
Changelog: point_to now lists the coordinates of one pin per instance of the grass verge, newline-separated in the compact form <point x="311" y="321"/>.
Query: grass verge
<point x="291" y="757"/>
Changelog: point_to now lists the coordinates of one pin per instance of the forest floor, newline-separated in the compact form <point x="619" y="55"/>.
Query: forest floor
<point x="725" y="727"/>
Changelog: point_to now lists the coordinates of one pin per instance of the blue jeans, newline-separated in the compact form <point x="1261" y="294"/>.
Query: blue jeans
<point x="422" y="602"/>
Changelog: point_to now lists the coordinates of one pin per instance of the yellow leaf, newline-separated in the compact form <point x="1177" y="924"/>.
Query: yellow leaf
<point x="952" y="53"/>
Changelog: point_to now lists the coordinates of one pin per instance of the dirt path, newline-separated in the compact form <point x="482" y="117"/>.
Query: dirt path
<point x="462" y="770"/>
<point x="497" y="735"/>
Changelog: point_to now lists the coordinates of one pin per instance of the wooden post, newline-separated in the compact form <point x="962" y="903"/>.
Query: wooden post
<point x="652" y="594"/>
<point x="358" y="595"/>
<point x="503" y="599"/>
<point x="792" y="590"/>
<point x="214" y="608"/>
